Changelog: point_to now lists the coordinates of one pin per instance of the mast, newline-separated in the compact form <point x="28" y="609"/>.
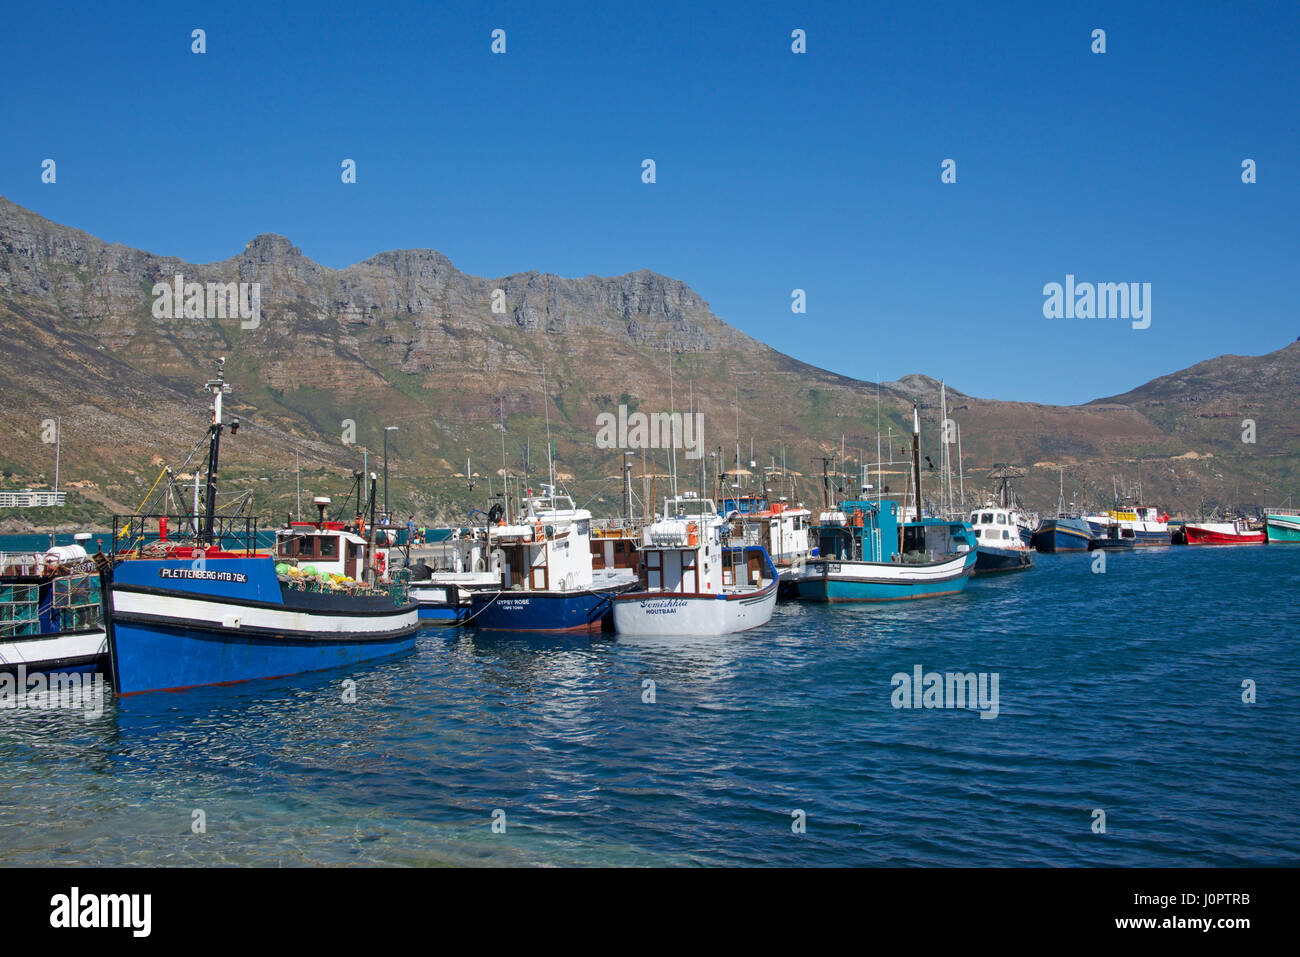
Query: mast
<point x="627" y="487"/>
<point x="550" y="461"/>
<point x="916" y="457"/>
<point x="370" y="531"/>
<point x="672" y="413"/>
<point x="961" y="476"/>
<point x="505" y="476"/>
<point x="219" y="390"/>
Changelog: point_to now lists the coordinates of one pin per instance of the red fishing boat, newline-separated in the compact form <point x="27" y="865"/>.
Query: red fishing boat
<point x="1223" y="533"/>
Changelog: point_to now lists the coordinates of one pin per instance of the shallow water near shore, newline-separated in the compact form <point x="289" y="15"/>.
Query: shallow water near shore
<point x="1119" y="692"/>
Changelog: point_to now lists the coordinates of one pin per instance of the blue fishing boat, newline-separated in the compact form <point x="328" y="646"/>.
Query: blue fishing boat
<point x="209" y="609"/>
<point x="1065" y="533"/>
<point x="1069" y="531"/>
<point x="546" y="577"/>
<point x="220" y="618"/>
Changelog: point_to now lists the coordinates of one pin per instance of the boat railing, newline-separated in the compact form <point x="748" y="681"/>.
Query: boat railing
<point x="160" y="535"/>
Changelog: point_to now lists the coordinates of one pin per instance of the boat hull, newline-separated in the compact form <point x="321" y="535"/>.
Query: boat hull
<point x="237" y="626"/>
<point x="586" y="610"/>
<point x="990" y="560"/>
<point x="1225" y="535"/>
<point x="439" y="604"/>
<point x="847" y="581"/>
<point x="1140" y="536"/>
<point x="1063" y="535"/>
<point x="699" y="614"/>
<point x="85" y="650"/>
<point x="689" y="615"/>
<point x="1283" y="528"/>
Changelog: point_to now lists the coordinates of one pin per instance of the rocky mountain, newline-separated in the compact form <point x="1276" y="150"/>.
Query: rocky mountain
<point x="405" y="339"/>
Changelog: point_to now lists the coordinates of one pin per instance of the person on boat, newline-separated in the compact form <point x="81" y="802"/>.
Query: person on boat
<point x="410" y="530"/>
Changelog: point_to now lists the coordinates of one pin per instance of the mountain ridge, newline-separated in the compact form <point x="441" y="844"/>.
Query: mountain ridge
<point x="404" y="337"/>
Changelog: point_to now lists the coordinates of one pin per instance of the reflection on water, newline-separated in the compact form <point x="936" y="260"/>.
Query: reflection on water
<point x="1111" y="696"/>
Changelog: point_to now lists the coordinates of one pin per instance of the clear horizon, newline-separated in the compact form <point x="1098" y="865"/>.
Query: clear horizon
<point x="775" y="170"/>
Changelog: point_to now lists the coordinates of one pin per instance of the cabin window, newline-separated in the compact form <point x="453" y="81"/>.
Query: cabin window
<point x="584" y="527"/>
<point x="1002" y="519"/>
<point x="987" y="519"/>
<point x="305" y="548"/>
<point x="1005" y="533"/>
<point x="329" y="547"/>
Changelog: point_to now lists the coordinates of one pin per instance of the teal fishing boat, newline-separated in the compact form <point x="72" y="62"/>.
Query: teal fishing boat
<point x="864" y="558"/>
<point x="867" y="552"/>
<point x="1282" y="527"/>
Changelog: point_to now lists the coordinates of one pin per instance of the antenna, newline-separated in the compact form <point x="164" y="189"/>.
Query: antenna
<point x="550" y="462"/>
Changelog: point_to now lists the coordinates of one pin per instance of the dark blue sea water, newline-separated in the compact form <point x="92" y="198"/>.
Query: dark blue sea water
<point x="1119" y="691"/>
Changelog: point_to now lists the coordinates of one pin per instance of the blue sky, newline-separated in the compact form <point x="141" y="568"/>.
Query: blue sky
<point x="775" y="171"/>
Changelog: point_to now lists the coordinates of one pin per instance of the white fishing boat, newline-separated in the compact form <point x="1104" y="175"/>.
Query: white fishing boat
<point x="998" y="543"/>
<point x="691" y="581"/>
<point x="783" y="530"/>
<point x="1137" y="524"/>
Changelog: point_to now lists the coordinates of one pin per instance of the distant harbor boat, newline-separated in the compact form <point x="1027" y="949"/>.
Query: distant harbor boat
<point x="1067" y="532"/>
<point x="211" y="610"/>
<point x="50" y="612"/>
<point x="1282" y="526"/>
<point x="1236" y="532"/>
<point x="1140" y="524"/>
<point x="1001" y="530"/>
<point x="691" y="583"/>
<point x="998" y="542"/>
